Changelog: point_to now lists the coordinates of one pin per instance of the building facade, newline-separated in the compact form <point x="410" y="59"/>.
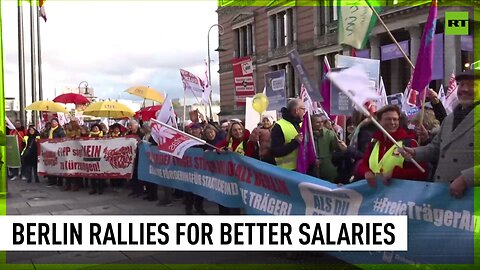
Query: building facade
<point x="266" y="34"/>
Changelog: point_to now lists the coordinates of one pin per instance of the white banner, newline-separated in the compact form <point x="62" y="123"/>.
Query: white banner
<point x="88" y="157"/>
<point x="192" y="81"/>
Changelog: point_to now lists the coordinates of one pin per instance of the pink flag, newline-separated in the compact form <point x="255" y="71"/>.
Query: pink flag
<point x="172" y="141"/>
<point x="306" y="152"/>
<point x="424" y="66"/>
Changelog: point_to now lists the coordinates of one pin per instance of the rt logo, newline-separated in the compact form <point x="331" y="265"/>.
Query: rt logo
<point x="456" y="23"/>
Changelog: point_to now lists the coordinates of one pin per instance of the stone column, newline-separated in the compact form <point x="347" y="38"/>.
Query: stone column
<point x="452" y="57"/>
<point x="374" y="47"/>
<point x="415" y="36"/>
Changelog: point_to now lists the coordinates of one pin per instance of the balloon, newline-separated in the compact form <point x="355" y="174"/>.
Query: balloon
<point x="260" y="102"/>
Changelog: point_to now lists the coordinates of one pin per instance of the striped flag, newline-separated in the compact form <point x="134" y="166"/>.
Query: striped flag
<point x="452" y="84"/>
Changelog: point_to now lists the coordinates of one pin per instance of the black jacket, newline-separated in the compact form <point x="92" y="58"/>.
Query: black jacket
<point x="279" y="147"/>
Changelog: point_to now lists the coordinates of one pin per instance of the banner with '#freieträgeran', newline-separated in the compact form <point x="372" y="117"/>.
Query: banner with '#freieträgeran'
<point x="440" y="228"/>
<point x="88" y="157"/>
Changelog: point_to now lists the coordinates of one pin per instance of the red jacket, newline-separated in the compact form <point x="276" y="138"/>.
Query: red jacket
<point x="249" y="148"/>
<point x="409" y="170"/>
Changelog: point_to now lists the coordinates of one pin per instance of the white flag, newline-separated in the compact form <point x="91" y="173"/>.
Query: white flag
<point x="10" y="125"/>
<point x="207" y="87"/>
<point x="167" y="113"/>
<point x="441" y="94"/>
<point x="354" y="83"/>
<point x="192" y="82"/>
<point x="172" y="141"/>
<point x="383" y="95"/>
<point x="451" y="101"/>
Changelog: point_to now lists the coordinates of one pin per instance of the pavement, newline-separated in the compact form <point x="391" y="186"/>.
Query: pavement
<point x="37" y="199"/>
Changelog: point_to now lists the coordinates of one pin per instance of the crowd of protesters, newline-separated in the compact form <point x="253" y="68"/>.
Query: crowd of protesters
<point x="441" y="143"/>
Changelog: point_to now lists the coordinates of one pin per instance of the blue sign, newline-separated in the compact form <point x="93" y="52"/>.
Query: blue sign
<point x="440" y="228"/>
<point x="275" y="90"/>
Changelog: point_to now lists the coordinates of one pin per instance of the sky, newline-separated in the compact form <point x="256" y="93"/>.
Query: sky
<point x="114" y="45"/>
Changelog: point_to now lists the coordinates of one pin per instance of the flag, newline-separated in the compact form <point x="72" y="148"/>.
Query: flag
<point x="451" y="101"/>
<point x="12" y="153"/>
<point x="383" y="95"/>
<point x="306" y="151"/>
<point x="441" y="94"/>
<point x="424" y="66"/>
<point x="172" y="141"/>
<point x="167" y="113"/>
<point x="41" y="10"/>
<point x="307" y="101"/>
<point x="355" y="22"/>
<point x="452" y="85"/>
<point x="207" y="87"/>
<point x="354" y="83"/>
<point x="326" y="86"/>
<point x="10" y="125"/>
<point x="192" y="82"/>
<point x="405" y="105"/>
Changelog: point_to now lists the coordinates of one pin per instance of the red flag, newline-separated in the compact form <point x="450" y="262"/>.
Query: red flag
<point x="172" y="141"/>
<point x="41" y="10"/>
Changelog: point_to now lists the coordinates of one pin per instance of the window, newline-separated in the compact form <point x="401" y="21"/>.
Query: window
<point x="291" y="83"/>
<point x="244" y="40"/>
<point x="281" y="25"/>
<point x="328" y="17"/>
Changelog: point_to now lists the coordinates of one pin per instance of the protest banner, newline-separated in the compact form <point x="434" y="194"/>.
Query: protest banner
<point x="275" y="90"/>
<point x="243" y="79"/>
<point x="12" y="152"/>
<point x="88" y="157"/>
<point x="440" y="228"/>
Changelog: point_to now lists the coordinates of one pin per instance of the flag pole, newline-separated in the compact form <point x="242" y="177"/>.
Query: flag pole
<point x="368" y="114"/>
<point x="184" y="110"/>
<point x="391" y="36"/>
<point x="185" y="134"/>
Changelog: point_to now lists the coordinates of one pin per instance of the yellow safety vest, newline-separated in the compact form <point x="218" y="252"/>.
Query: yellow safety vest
<point x="288" y="162"/>
<point x="239" y="149"/>
<point x="390" y="159"/>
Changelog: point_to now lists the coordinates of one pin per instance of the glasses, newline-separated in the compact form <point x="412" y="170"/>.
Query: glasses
<point x="302" y="108"/>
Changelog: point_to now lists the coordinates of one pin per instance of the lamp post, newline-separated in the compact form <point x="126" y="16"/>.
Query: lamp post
<point x="86" y="88"/>
<point x="219" y="49"/>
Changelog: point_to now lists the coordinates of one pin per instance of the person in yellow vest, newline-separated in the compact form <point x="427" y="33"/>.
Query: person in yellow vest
<point x="286" y="136"/>
<point x="382" y="158"/>
<point x="30" y="154"/>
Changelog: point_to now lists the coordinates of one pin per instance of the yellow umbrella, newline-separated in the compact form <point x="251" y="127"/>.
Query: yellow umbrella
<point x="146" y="92"/>
<point x="110" y="109"/>
<point x="46" y="106"/>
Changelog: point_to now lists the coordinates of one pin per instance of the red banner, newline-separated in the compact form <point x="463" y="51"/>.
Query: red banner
<point x="88" y="157"/>
<point x="243" y="79"/>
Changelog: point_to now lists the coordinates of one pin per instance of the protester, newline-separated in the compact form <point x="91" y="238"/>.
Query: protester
<point x="453" y="147"/>
<point x="286" y="135"/>
<point x="211" y="135"/>
<point x="437" y="106"/>
<point x="30" y="154"/>
<point x="97" y="184"/>
<point x="265" y="140"/>
<point x="136" y="184"/>
<point x="19" y="132"/>
<point x="426" y="130"/>
<point x="72" y="130"/>
<point x="55" y="132"/>
<point x="191" y="199"/>
<point x="382" y="158"/>
<point x="325" y="143"/>
<point x="237" y="141"/>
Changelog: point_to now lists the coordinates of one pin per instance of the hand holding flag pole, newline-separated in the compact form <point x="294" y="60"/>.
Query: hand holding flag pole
<point x="358" y="80"/>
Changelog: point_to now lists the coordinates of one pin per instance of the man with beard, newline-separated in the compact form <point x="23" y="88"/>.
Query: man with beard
<point x="453" y="146"/>
<point x="286" y="136"/>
